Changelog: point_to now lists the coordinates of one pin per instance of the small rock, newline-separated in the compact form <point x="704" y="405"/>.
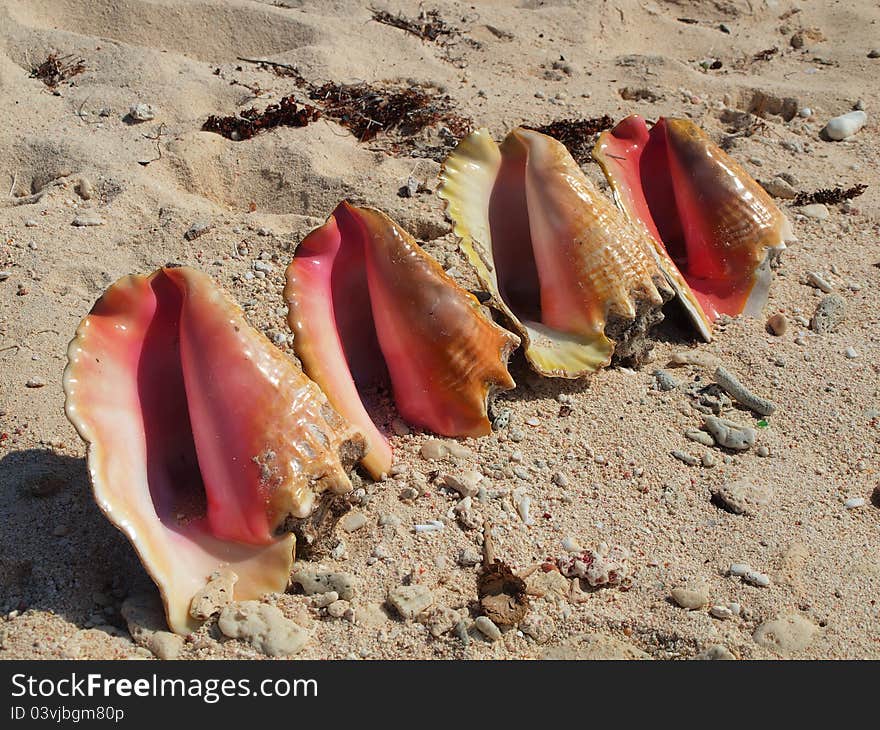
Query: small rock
<point x="762" y="451"/>
<point x="35" y="383"/>
<point x="818" y="211"/>
<point x="780" y="188"/>
<point x="469" y="556"/>
<point x="829" y="315"/>
<point x="757" y="579"/>
<point x="664" y="381"/>
<point x="142" y="112"/>
<point x="742" y="497"/>
<point x="851" y="353"/>
<point x="466" y="484"/>
<point x="559" y="479"/>
<point x="165" y="645"/>
<point x="551" y="583"/>
<point x="854" y="503"/>
<point x="433" y="450"/>
<point x="216" y="594"/>
<point x="31" y="223"/>
<point x="410" y="601"/>
<point x="322" y="600"/>
<point x="88" y="219"/>
<point x="815" y="279"/>
<point x="200" y="228"/>
<point x="685" y="457"/>
<point x="84" y="188"/>
<point x="353" y="521"/>
<point x="739" y="569"/>
<point x="720" y="612"/>
<point x="690" y="598"/>
<point x="487" y="628"/>
<point x="787" y="634"/>
<point x="398" y="425"/>
<point x="846" y="125"/>
<point x="729" y="434"/>
<point x="337" y="609"/>
<point x="874" y="53"/>
<point x="264" y="627"/>
<point x="777" y="324"/>
<point x="4" y="275"/>
<point x="316" y="580"/>
<point x="441" y="621"/>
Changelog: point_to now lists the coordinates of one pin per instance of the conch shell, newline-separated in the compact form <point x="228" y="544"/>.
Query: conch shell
<point x="203" y="438"/>
<point x="368" y="306"/>
<point x="559" y="259"/>
<point x="715" y="230"/>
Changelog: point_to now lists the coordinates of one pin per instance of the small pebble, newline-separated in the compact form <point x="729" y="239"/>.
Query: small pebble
<point x="469" y="556"/>
<point x="353" y="521"/>
<point x="4" y="275"/>
<point x="685" y="457"/>
<point x="487" y="628"/>
<point x="777" y="324"/>
<point x="762" y="451"/>
<point x="874" y="53"/>
<point x="84" y="189"/>
<point x="846" y="125"/>
<point x="729" y="434"/>
<point x="35" y="383"/>
<point x="756" y="579"/>
<point x="410" y="601"/>
<point x="851" y="353"/>
<point x="739" y="569"/>
<point x="142" y="112"/>
<point x="829" y="315"/>
<point x="689" y="598"/>
<point x="701" y="437"/>
<point x="817" y="211"/>
<point x="854" y="503"/>
<point x="721" y="612"/>
<point x="780" y="188"/>
<point x="88" y="219"/>
<point x="816" y="280"/>
<point x="433" y="449"/>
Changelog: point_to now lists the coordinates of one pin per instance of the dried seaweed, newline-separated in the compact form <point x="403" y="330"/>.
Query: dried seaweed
<point x="766" y="54"/>
<point x="429" y="26"/>
<point x="366" y="110"/>
<point x="576" y="134"/>
<point x="286" y="113"/>
<point x="56" y="69"/>
<point x="830" y="196"/>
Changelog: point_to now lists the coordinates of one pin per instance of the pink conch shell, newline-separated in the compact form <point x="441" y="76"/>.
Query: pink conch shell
<point x="560" y="260"/>
<point x="716" y="231"/>
<point x="203" y="438"/>
<point x="368" y="306"/>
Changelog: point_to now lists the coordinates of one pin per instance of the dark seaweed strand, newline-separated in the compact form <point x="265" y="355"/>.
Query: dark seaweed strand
<point x="576" y="134"/>
<point x="830" y="196"/>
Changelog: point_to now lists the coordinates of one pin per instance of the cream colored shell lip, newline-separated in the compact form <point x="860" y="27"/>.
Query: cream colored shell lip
<point x="170" y="531"/>
<point x="608" y="257"/>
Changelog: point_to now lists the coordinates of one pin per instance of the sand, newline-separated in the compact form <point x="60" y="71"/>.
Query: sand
<point x="64" y="570"/>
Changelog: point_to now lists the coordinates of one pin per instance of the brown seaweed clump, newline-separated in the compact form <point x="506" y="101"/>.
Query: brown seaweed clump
<point x="830" y="196"/>
<point x="429" y="26"/>
<point x="576" y="134"/>
<point x="286" y="113"/>
<point x="56" y="69"/>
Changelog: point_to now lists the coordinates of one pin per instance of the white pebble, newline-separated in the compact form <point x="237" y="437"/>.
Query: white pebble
<point x="757" y="579"/>
<point x="142" y="112"/>
<point x="854" y="503"/>
<point x="739" y="569"/>
<point x="487" y="628"/>
<point x="430" y="526"/>
<point x="851" y="353"/>
<point x="722" y="612"/>
<point x="846" y="125"/>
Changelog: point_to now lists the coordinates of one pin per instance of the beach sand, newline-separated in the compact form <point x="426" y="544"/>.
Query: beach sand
<point x="594" y="456"/>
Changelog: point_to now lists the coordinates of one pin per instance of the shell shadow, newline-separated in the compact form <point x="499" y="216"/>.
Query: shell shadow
<point x="43" y="493"/>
